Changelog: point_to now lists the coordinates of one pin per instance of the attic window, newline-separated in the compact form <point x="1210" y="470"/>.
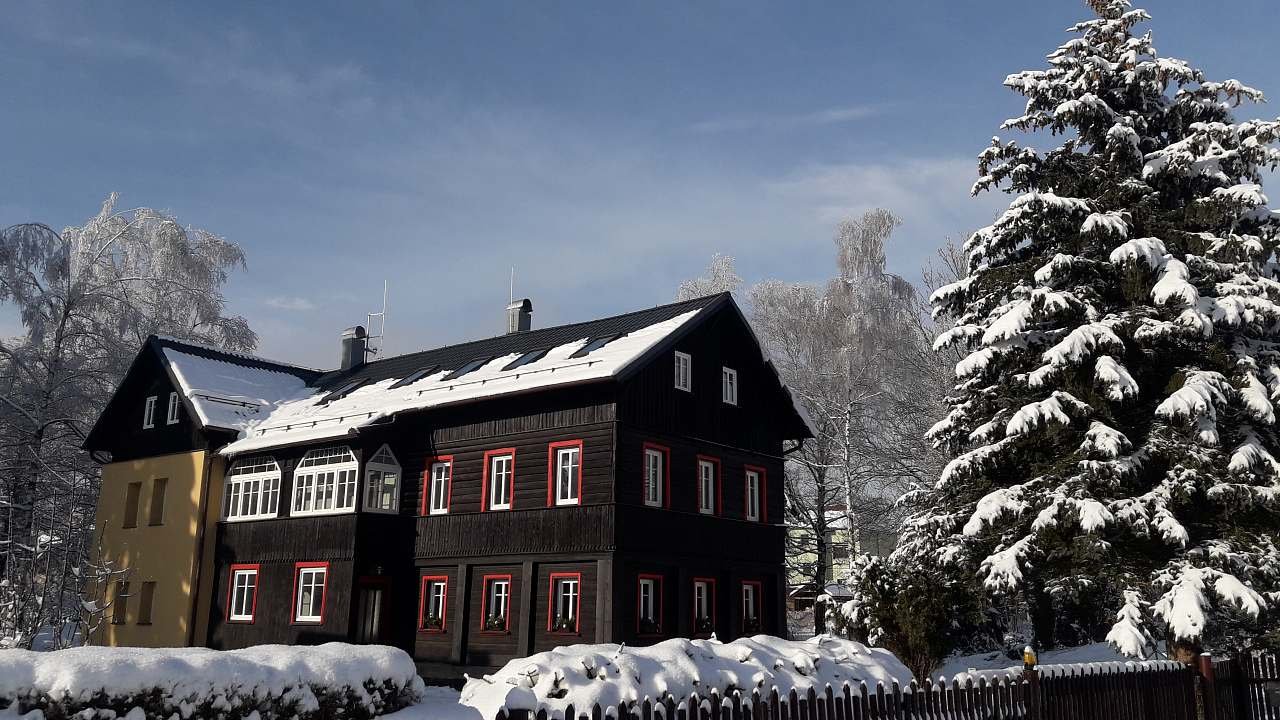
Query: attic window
<point x="415" y="376"/>
<point x="469" y="367"/>
<point x="344" y="391"/>
<point x="525" y="359"/>
<point x="595" y="344"/>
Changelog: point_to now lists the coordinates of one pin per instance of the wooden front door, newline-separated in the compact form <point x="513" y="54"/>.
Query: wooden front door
<point x="371" y="610"/>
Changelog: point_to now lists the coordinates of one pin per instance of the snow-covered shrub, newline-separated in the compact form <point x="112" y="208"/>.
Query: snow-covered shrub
<point x="606" y="675"/>
<point x="267" y="681"/>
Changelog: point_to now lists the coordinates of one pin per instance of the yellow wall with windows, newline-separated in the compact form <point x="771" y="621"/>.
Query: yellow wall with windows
<point x="163" y="552"/>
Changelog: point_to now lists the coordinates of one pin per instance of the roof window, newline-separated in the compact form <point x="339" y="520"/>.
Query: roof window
<point x="593" y="345"/>
<point x="525" y="359"/>
<point x="469" y="367"/>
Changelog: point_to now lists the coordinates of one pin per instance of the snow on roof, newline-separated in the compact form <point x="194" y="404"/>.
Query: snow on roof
<point x="229" y="395"/>
<point x="286" y="412"/>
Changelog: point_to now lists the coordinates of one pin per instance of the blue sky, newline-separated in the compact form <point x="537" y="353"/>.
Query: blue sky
<point x="604" y="149"/>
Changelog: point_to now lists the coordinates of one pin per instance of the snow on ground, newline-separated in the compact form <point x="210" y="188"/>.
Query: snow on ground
<point x="438" y="703"/>
<point x="607" y="674"/>
<point x="995" y="661"/>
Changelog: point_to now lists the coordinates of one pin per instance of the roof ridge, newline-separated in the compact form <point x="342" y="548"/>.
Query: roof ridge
<point x="235" y="354"/>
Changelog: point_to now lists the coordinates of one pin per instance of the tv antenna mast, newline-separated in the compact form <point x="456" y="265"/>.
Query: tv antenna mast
<point x="380" y="336"/>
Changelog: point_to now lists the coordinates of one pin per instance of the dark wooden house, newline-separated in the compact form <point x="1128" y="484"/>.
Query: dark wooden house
<point x="607" y="481"/>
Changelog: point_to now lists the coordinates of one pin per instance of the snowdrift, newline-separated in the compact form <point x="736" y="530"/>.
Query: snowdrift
<point x="275" y="681"/>
<point x="587" y="675"/>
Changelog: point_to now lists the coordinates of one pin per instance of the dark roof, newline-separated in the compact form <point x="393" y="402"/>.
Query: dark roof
<point x="158" y="343"/>
<point x="452" y="357"/>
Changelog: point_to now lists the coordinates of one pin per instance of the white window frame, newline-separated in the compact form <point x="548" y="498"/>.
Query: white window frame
<point x="753" y="495"/>
<point x="149" y="413"/>
<point x="701" y="600"/>
<point x="323" y="478"/>
<point x="306" y="578"/>
<point x="171" y="414"/>
<point x="750" y="601"/>
<point x="683" y="371"/>
<point x="439" y="489"/>
<point x="573" y="453"/>
<point x="382" y="464"/>
<point x="706" y="487"/>
<point x="251" y="484"/>
<point x="243" y="579"/>
<point x="503" y="489"/>
<point x="648" y="593"/>
<point x="729" y="385"/>
<point x="654" y="460"/>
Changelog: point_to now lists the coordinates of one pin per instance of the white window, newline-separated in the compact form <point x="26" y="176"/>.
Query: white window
<point x="706" y="487"/>
<point x="252" y="489"/>
<point x="325" y="482"/>
<point x="441" y="475"/>
<point x="382" y="482"/>
<point x="149" y="413"/>
<point x="244" y="594"/>
<point x="750" y="604"/>
<point x="568" y="473"/>
<point x="500" y="480"/>
<point x="654" y="467"/>
<point x="649" y="605"/>
<point x="701" y="605"/>
<point x="497" y="603"/>
<point x="684" y="372"/>
<point x="171" y="415"/>
<point x="565" y="594"/>
<point x="729" y="385"/>
<point x="309" y="602"/>
<point x="435" y="589"/>
<point x="753" y="495"/>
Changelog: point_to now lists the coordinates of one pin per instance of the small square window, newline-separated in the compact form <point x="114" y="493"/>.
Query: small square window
<point x="729" y="385"/>
<point x="683" y="372"/>
<point x="171" y="415"/>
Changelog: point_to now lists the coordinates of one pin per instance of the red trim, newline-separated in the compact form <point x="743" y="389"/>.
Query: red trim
<point x="551" y="469"/>
<point x="324" y="593"/>
<point x="426" y="485"/>
<point x="759" y="586"/>
<point x="764" y="494"/>
<point x="444" y="604"/>
<point x="484" y="482"/>
<point x="659" y="599"/>
<point x="231" y="586"/>
<point x="666" y="472"/>
<point x="484" y="603"/>
<point x="551" y="601"/>
<point x="719" y="508"/>
<point x="711" y="602"/>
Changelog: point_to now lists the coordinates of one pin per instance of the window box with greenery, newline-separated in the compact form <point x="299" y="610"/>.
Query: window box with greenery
<point x="495" y="623"/>
<point x="751" y="625"/>
<point x="564" y="624"/>
<point x="649" y="626"/>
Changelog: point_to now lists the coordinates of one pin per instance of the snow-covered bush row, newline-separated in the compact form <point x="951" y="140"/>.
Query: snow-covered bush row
<point x="269" y="681"/>
<point x="606" y="675"/>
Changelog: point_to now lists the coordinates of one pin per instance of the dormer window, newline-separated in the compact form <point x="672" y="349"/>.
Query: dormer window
<point x="382" y="482"/>
<point x="729" y="386"/>
<point x="171" y="416"/>
<point x="684" y="372"/>
<point x="149" y="413"/>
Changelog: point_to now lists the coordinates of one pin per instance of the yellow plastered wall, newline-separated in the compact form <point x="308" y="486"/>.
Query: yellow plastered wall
<point x="163" y="553"/>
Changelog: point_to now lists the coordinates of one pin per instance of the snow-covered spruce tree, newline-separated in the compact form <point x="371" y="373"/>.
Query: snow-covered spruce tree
<point x="1116" y="464"/>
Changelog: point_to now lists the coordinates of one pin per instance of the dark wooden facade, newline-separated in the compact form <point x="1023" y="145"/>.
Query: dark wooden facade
<point x="606" y="542"/>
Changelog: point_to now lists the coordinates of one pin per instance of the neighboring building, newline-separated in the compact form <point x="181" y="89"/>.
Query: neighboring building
<point x="614" y="480"/>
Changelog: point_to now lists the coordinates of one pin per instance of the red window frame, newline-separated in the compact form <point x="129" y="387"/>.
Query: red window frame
<point x="759" y="586"/>
<point x="711" y="602"/>
<point x="551" y="468"/>
<point x="484" y="603"/>
<point x="764" y="491"/>
<point x="666" y="472"/>
<point x="719" y="506"/>
<point x="444" y="606"/>
<point x="661" y="603"/>
<point x="425" y="508"/>
<point x="324" y="594"/>
<point x="484" y="482"/>
<point x="231" y="587"/>
<point x="551" y="602"/>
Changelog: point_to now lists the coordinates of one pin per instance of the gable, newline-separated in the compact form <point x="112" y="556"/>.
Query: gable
<point x="120" y="429"/>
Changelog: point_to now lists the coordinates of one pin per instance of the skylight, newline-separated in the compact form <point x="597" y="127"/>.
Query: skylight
<point x="469" y="367"/>
<point x="415" y="376"/>
<point x="525" y="359"/>
<point x="343" y="391"/>
<point x="595" y="344"/>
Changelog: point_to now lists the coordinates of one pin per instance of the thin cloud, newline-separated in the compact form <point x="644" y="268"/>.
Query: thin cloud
<point x="294" y="304"/>
<point x="750" y="121"/>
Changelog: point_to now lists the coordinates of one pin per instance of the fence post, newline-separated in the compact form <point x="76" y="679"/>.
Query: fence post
<point x="1031" y="674"/>
<point x="1208" y="687"/>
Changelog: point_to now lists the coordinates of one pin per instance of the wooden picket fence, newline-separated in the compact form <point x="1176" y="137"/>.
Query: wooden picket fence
<point x="1215" y="690"/>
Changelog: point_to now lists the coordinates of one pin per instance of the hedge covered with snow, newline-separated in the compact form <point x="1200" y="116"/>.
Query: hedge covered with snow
<point x="267" y="681"/>
<point x="587" y="675"/>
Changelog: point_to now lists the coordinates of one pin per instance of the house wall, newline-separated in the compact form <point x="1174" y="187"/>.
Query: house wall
<point x="164" y="553"/>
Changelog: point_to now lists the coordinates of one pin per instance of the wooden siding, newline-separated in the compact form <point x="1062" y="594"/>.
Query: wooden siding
<point x="516" y="532"/>
<point x="438" y="646"/>
<point x="273" y="613"/>
<point x="493" y="647"/>
<point x="119" y="430"/>
<point x="543" y="638"/>
<point x="324" y="537"/>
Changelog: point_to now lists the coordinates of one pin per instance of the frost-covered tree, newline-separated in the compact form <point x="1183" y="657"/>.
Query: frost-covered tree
<point x="1116" y="464"/>
<point x="719" y="277"/>
<point x="87" y="298"/>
